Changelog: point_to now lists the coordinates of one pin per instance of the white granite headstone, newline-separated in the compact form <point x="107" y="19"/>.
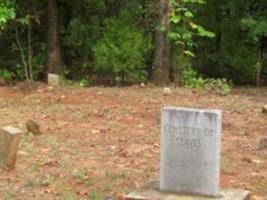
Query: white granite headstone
<point x="190" y="151"/>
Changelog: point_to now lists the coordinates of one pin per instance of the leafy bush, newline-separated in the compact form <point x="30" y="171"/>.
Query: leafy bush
<point x="191" y="79"/>
<point x="236" y="64"/>
<point x="7" y="75"/>
<point x="6" y="13"/>
<point x="84" y="28"/>
<point x="84" y="82"/>
<point x="122" y="51"/>
<point x="220" y="86"/>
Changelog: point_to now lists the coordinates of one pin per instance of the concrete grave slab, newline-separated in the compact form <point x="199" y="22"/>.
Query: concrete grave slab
<point x="152" y="192"/>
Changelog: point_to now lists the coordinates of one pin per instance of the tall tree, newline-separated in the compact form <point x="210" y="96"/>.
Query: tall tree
<point x="255" y="27"/>
<point x="161" y="65"/>
<point x="232" y="52"/>
<point x="54" y="61"/>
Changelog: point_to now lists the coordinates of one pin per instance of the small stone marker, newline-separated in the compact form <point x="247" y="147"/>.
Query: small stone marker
<point x="9" y="143"/>
<point x="190" y="151"/>
<point x="53" y="79"/>
<point x="33" y="127"/>
<point x="167" y="91"/>
<point x="190" y="158"/>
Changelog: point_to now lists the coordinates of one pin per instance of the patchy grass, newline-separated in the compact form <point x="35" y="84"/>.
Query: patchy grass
<point x="104" y="141"/>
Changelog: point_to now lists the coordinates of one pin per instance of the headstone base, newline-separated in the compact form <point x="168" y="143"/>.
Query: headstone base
<point x="151" y="192"/>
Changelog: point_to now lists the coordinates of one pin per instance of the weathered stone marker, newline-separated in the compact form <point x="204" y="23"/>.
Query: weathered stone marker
<point x="9" y="143"/>
<point x="53" y="79"/>
<point x="190" y="158"/>
<point x="190" y="151"/>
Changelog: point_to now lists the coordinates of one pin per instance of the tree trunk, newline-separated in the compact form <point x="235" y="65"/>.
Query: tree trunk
<point x="161" y="65"/>
<point x="54" y="62"/>
<point x="260" y="62"/>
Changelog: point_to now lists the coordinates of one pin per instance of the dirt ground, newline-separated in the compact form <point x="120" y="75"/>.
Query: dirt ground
<point x="104" y="141"/>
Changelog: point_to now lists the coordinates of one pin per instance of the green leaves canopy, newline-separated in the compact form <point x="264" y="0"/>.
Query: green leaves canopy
<point x="7" y="12"/>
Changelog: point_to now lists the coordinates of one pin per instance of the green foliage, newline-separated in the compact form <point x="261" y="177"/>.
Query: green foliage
<point x="38" y="63"/>
<point x="84" y="82"/>
<point x="183" y="32"/>
<point x="113" y="38"/>
<point x="233" y="54"/>
<point x="123" y="50"/>
<point x="254" y="20"/>
<point x="85" y="28"/>
<point x="39" y="60"/>
<point x="256" y="28"/>
<point x="191" y="79"/>
<point x="27" y="15"/>
<point x="7" y="12"/>
<point x="183" y="29"/>
<point x="233" y="61"/>
<point x="7" y="75"/>
<point x="220" y="86"/>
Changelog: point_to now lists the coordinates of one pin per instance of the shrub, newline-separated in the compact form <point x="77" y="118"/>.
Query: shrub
<point x="84" y="82"/>
<point x="122" y="51"/>
<point x="7" y="75"/>
<point x="191" y="79"/>
<point x="220" y="86"/>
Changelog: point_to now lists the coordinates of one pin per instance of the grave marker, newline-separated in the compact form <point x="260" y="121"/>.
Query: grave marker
<point x="190" y="151"/>
<point x="53" y="79"/>
<point x="190" y="158"/>
<point x="9" y="143"/>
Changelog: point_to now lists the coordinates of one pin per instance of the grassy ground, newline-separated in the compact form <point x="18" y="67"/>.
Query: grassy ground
<point x="105" y="141"/>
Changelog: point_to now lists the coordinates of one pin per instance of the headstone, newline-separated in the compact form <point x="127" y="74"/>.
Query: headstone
<point x="190" y="157"/>
<point x="190" y="151"/>
<point x="9" y="143"/>
<point x="53" y="79"/>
